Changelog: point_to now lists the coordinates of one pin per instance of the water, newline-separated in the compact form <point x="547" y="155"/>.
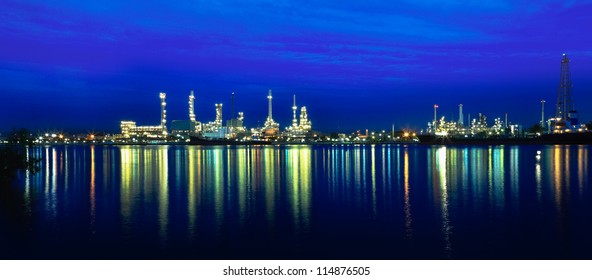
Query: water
<point x="311" y="202"/>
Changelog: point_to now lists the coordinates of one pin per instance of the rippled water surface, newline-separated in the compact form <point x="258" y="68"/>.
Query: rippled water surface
<point x="314" y="202"/>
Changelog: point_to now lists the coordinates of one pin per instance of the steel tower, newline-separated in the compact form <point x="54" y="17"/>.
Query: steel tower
<point x="564" y="104"/>
<point x="163" y="112"/>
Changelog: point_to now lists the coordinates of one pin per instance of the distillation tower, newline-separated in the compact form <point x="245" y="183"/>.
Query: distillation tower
<point x="163" y="113"/>
<point x="271" y="127"/>
<point x="191" y="107"/>
<point x="219" y="114"/>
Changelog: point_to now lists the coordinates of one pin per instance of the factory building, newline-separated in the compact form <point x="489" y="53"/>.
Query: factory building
<point x="182" y="127"/>
<point x="129" y="129"/>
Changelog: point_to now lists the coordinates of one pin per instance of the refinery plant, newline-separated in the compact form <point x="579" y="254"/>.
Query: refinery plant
<point x="218" y="131"/>
<point x="563" y="127"/>
<point x="565" y="120"/>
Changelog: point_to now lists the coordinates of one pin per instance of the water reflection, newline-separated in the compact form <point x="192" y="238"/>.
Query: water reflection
<point x="582" y="167"/>
<point x="177" y="195"/>
<point x="269" y="179"/>
<point x="558" y="159"/>
<point x="193" y="175"/>
<point x="514" y="172"/>
<point x="408" y="219"/>
<point x="442" y="189"/>
<point x="129" y="185"/>
<point x="144" y="182"/>
<point x="93" y="202"/>
<point x="539" y="181"/>
<point x="298" y="176"/>
<point x="163" y="202"/>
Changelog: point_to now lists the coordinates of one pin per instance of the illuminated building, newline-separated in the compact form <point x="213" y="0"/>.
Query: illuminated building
<point x="129" y="129"/>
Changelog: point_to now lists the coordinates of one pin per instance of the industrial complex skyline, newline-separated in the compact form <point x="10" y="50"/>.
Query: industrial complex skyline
<point x="87" y="66"/>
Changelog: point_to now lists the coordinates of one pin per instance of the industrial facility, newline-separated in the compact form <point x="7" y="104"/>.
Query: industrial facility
<point x="564" y="121"/>
<point x="298" y="130"/>
<point x="475" y="128"/>
<point x="130" y="130"/>
<point x="217" y="129"/>
<point x="271" y="128"/>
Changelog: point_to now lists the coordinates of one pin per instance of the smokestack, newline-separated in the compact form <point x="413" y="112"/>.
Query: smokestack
<point x="543" y="114"/>
<point x="269" y="116"/>
<point x="460" y="115"/>
<point x="232" y="106"/>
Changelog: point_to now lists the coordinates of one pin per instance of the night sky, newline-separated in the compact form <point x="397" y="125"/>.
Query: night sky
<point x="86" y="65"/>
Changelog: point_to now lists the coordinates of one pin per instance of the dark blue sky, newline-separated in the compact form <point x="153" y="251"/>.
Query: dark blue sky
<point x="84" y="66"/>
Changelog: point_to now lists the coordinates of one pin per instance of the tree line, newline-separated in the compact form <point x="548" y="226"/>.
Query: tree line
<point x="13" y="157"/>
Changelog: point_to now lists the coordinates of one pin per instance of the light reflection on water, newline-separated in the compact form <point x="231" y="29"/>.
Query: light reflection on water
<point x="391" y="201"/>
